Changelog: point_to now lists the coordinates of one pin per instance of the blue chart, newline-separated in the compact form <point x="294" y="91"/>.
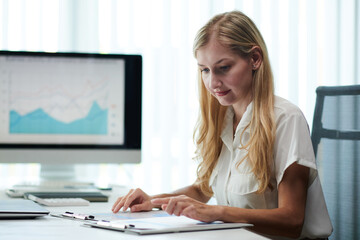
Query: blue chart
<point x="39" y="122"/>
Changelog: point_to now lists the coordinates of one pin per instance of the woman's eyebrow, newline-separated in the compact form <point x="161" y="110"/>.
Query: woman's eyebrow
<point x="219" y="61"/>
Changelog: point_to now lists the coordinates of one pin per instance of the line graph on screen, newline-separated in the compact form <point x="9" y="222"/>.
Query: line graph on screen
<point x="55" y="104"/>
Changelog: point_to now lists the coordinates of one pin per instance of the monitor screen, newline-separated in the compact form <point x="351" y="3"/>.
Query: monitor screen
<point x="70" y="107"/>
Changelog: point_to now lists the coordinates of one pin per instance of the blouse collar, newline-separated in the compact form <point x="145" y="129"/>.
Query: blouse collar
<point x="227" y="132"/>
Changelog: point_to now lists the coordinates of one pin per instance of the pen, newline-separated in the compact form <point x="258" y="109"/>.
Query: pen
<point x="115" y="225"/>
<point x="84" y="217"/>
<point x="78" y="216"/>
<point x="68" y="214"/>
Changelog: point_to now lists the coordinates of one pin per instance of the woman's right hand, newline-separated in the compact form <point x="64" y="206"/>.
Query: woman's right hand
<point x="136" y="199"/>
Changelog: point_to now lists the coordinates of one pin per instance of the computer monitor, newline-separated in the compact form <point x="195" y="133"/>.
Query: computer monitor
<point x="69" y="108"/>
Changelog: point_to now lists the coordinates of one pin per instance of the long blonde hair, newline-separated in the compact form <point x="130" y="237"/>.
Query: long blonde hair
<point x="237" y="32"/>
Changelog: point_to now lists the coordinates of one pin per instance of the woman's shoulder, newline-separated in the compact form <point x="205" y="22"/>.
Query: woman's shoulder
<point x="285" y="109"/>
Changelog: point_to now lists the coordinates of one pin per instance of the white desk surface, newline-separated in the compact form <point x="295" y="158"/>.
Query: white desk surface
<point x="52" y="228"/>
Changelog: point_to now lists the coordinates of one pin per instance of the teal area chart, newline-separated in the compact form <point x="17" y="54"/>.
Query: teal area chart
<point x="39" y="122"/>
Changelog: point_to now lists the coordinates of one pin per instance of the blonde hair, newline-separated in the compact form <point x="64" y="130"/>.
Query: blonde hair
<point x="237" y="32"/>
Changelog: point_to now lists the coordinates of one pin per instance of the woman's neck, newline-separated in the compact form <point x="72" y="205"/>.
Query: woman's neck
<point x="239" y="110"/>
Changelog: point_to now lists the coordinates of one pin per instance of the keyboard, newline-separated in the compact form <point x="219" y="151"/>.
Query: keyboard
<point x="59" y="202"/>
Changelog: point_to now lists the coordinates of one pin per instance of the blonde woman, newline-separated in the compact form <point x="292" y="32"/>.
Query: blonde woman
<point x="255" y="151"/>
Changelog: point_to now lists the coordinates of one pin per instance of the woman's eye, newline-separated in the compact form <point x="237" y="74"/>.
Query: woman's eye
<point x="205" y="70"/>
<point x="224" y="68"/>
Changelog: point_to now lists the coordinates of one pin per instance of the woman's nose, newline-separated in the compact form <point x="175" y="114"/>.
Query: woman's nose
<point x="214" y="81"/>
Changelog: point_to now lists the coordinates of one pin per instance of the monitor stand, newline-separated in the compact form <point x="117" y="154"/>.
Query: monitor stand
<point x="54" y="177"/>
<point x="60" y="175"/>
<point x="57" y="172"/>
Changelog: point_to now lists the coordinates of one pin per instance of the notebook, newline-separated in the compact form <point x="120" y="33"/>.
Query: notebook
<point x="21" y="208"/>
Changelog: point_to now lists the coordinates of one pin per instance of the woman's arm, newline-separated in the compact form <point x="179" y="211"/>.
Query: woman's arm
<point x="286" y="220"/>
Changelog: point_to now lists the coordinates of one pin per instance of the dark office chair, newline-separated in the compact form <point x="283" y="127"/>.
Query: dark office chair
<point x="336" y="141"/>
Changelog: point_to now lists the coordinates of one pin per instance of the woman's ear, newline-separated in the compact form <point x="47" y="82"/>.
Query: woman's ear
<point x="256" y="57"/>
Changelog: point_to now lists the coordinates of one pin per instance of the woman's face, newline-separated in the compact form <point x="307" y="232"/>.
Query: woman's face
<point x="226" y="75"/>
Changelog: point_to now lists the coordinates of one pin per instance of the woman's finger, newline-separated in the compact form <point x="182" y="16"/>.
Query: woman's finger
<point x="116" y="203"/>
<point x="180" y="206"/>
<point x="160" y="201"/>
<point x="163" y="207"/>
<point x="137" y="193"/>
<point x="120" y="202"/>
<point x="189" y="212"/>
<point x="145" y="206"/>
<point x="171" y="205"/>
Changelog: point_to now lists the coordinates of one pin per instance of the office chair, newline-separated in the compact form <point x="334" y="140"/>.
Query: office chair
<point x="336" y="140"/>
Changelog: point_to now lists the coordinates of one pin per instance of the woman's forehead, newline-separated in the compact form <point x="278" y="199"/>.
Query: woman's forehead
<point x="213" y="52"/>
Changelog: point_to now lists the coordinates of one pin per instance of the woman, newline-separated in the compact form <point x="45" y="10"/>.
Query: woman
<point x="254" y="148"/>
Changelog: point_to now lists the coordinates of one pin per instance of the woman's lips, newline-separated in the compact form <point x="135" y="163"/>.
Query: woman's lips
<point x="222" y="93"/>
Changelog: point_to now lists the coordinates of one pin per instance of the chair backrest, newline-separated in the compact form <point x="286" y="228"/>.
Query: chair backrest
<point x="336" y="141"/>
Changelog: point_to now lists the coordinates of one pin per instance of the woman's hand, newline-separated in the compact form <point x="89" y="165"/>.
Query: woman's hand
<point x="136" y="199"/>
<point x="189" y="207"/>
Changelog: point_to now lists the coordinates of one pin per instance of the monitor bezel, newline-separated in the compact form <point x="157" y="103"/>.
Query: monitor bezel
<point x="133" y="103"/>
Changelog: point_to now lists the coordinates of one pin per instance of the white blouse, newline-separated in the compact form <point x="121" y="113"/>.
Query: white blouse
<point x="236" y="186"/>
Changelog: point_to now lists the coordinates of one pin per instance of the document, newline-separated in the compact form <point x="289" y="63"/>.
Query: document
<point x="161" y="223"/>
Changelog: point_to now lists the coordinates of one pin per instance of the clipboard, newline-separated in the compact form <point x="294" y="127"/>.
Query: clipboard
<point x="171" y="224"/>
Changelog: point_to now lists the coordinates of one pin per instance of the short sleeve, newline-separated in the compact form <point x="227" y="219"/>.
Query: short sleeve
<point x="292" y="143"/>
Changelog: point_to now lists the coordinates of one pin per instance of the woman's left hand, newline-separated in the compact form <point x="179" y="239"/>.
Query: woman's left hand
<point x="185" y="206"/>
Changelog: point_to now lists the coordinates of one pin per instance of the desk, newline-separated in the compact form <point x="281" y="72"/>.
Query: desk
<point x="52" y="228"/>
